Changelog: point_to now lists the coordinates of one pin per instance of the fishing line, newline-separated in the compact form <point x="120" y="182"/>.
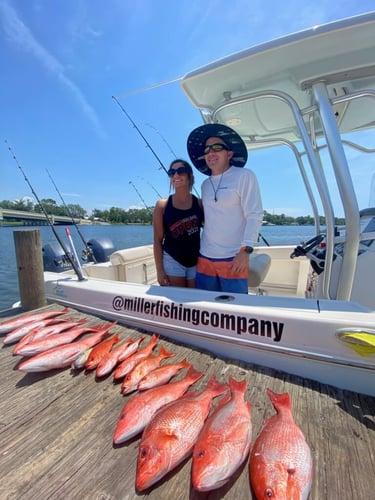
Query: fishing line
<point x="144" y="138"/>
<point x="140" y="133"/>
<point x="153" y="187"/>
<point x="163" y="139"/>
<point x="150" y="87"/>
<point x="88" y="252"/>
<point x="139" y="194"/>
<point x="74" y="264"/>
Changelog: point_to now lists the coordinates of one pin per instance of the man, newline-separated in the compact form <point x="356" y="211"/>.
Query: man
<point x="232" y="208"/>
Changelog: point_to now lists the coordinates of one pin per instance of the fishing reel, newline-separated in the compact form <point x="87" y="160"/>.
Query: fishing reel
<point x="87" y="255"/>
<point x="98" y="250"/>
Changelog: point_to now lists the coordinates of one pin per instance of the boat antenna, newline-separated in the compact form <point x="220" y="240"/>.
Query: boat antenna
<point x="74" y="264"/>
<point x="140" y="133"/>
<point x="139" y="194"/>
<point x="88" y="252"/>
<point x="163" y="139"/>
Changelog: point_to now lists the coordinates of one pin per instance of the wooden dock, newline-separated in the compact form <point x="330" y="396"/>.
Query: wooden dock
<point x="56" y="431"/>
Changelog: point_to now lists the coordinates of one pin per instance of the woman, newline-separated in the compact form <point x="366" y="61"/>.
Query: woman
<point x="177" y="222"/>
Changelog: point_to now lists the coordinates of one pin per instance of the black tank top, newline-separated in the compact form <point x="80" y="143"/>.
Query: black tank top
<point x="182" y="232"/>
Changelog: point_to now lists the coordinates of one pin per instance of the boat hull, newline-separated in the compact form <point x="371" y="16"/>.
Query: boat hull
<point x="297" y="336"/>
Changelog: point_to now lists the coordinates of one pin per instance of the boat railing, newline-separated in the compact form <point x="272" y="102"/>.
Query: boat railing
<point x="323" y="107"/>
<point x="314" y="161"/>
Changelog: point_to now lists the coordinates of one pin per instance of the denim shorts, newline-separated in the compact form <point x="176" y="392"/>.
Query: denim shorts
<point x="174" y="268"/>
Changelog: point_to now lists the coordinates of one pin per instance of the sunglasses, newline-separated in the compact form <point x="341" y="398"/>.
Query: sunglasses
<point x="215" y="148"/>
<point x="179" y="171"/>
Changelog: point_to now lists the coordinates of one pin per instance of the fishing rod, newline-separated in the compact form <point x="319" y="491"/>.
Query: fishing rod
<point x="74" y="264"/>
<point x="139" y="194"/>
<point x="140" y="133"/>
<point x="144" y="138"/>
<point x="88" y="252"/>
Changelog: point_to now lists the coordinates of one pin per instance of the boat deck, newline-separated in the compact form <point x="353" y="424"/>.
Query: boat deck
<point x="56" y="432"/>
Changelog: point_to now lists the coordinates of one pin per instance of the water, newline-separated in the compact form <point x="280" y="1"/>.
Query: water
<point x="121" y="236"/>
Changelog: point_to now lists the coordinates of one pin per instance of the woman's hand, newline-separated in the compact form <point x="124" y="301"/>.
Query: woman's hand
<point x="163" y="279"/>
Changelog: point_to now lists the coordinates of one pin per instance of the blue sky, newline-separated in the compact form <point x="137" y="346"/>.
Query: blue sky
<point x="62" y="61"/>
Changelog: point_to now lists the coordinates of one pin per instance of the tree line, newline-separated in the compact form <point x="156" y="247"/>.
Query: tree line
<point x="116" y="215"/>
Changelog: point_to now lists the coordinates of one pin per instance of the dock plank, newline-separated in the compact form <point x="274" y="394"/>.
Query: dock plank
<point x="56" y="431"/>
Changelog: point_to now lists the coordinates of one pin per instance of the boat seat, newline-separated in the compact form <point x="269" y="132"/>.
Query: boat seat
<point x="259" y="266"/>
<point x="136" y="265"/>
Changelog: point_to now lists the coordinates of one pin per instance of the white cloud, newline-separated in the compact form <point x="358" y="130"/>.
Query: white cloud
<point x="18" y="33"/>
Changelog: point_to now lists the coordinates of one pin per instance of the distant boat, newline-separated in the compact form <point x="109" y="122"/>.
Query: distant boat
<point x="310" y="310"/>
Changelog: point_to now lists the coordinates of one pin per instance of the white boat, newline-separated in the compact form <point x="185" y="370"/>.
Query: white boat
<point x="310" y="310"/>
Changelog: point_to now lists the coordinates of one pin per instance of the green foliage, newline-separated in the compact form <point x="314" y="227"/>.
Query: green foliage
<point x="49" y="205"/>
<point x="116" y="215"/>
<point x="303" y="220"/>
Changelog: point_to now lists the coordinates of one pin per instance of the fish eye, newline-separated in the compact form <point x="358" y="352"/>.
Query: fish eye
<point x="268" y="493"/>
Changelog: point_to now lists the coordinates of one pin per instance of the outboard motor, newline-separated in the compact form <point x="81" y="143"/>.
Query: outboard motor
<point x="101" y="248"/>
<point x="54" y="258"/>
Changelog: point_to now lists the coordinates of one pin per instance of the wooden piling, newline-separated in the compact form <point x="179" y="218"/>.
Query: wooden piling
<point x="30" y="269"/>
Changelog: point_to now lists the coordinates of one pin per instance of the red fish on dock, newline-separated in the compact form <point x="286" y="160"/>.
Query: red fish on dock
<point x="139" y="410"/>
<point x="281" y="465"/>
<point x="144" y="367"/>
<point x="54" y="340"/>
<point x="224" y="442"/>
<point x="55" y="325"/>
<point x="170" y="436"/>
<point x="129" y="363"/>
<point x="11" y="324"/>
<point x="161" y="375"/>
<point x="99" y="351"/>
<point x="110" y="360"/>
<point x="62" y="356"/>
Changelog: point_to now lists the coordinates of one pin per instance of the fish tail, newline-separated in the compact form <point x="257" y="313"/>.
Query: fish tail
<point x="154" y="338"/>
<point x="194" y="374"/>
<point x="279" y="401"/>
<point x="215" y="386"/>
<point x="237" y="385"/>
<point x="185" y="363"/>
<point x="165" y="353"/>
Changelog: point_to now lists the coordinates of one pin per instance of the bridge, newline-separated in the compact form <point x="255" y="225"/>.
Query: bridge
<point x="35" y="219"/>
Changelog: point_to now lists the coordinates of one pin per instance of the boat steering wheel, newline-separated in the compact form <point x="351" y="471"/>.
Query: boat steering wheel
<point x="305" y="248"/>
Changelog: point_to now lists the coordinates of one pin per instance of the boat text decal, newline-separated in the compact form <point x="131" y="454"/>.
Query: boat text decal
<point x="241" y="324"/>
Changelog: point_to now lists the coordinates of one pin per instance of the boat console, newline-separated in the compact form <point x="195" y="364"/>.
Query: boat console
<point x="315" y="251"/>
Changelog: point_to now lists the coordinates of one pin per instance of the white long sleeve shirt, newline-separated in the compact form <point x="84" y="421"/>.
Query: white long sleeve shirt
<point x="234" y="219"/>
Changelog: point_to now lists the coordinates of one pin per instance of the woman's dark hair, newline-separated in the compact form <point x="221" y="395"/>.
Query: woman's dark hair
<point x="188" y="167"/>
